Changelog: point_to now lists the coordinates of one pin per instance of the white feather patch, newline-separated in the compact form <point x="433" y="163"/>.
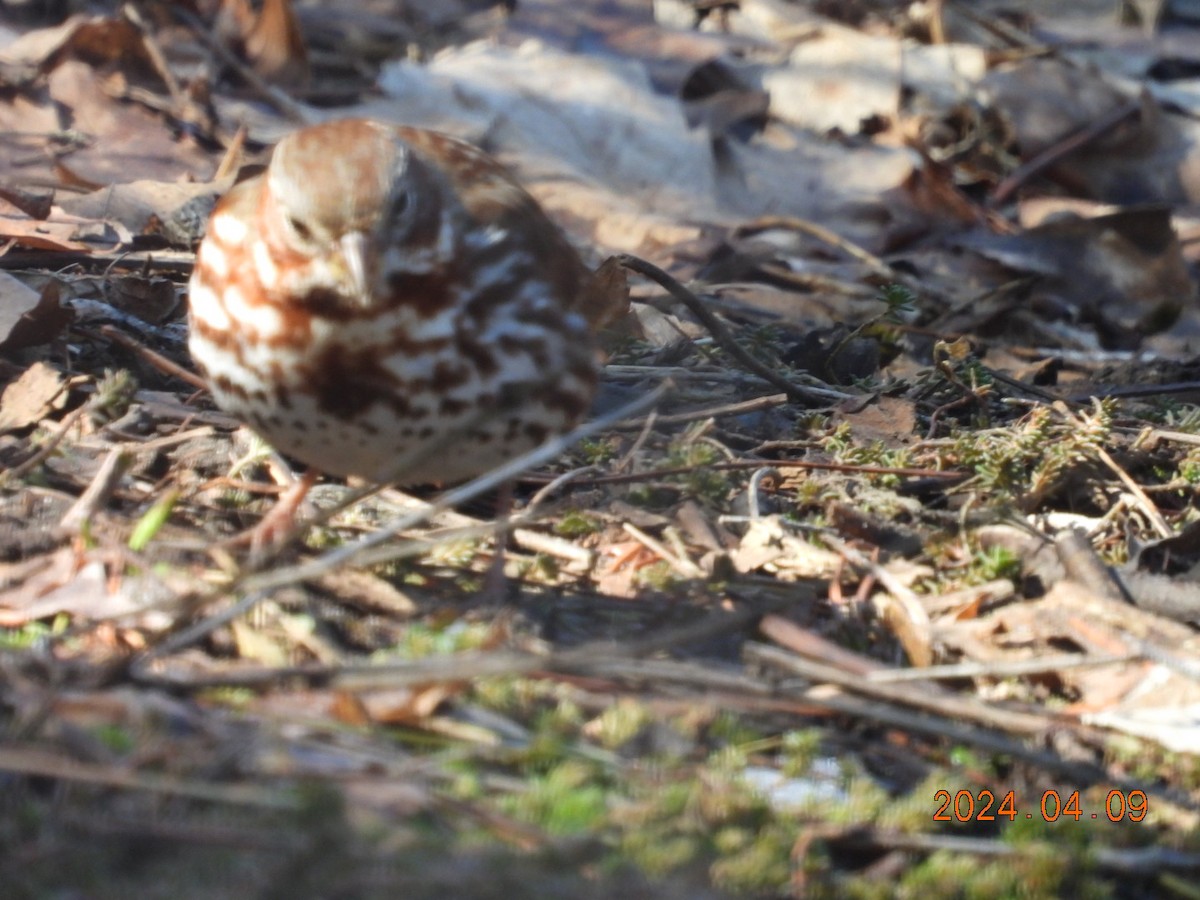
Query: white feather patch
<point x="228" y="228"/>
<point x="260" y="317"/>
<point x="267" y="271"/>
<point x="206" y="306"/>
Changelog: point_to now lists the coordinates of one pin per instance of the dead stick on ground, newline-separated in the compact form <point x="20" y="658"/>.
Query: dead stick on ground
<point x="1051" y="155"/>
<point x="720" y="333"/>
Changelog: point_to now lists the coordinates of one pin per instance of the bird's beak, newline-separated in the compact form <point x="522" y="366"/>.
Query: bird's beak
<point x="354" y="253"/>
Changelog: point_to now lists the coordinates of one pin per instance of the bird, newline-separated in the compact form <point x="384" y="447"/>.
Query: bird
<point x="387" y="302"/>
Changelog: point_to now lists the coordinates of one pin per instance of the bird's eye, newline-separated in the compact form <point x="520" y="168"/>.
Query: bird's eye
<point x="400" y="204"/>
<point x="298" y="227"/>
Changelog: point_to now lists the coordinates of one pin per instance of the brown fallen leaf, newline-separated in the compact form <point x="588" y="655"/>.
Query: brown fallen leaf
<point x="17" y="301"/>
<point x="39" y="391"/>
<point x="39" y="234"/>
<point x="1124" y="265"/>
<point x="270" y="41"/>
<point x="408" y="705"/>
<point x="887" y="419"/>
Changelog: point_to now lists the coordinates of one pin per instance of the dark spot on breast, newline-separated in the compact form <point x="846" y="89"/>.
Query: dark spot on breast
<point x="347" y="383"/>
<point x="536" y="432"/>
<point x="326" y="302"/>
<point x="535" y="350"/>
<point x="452" y="407"/>
<point x="571" y="405"/>
<point x="484" y="301"/>
<point x="448" y="375"/>
<point x="427" y="292"/>
<point x="480" y="355"/>
<point x="547" y="317"/>
<point x="583" y="368"/>
<point x="295" y="326"/>
<point x="400" y="340"/>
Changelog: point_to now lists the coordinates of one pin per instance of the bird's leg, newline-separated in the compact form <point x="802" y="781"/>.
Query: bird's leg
<point x="495" y="584"/>
<point x="278" y="526"/>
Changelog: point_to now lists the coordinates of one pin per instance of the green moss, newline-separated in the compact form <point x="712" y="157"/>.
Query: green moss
<point x="565" y="800"/>
<point x="659" y="576"/>
<point x="753" y="861"/>
<point x="115" y="738"/>
<point x="799" y="749"/>
<point x="708" y="485"/>
<point x="598" y="451"/>
<point x="576" y="524"/>
<point x="621" y="723"/>
<point x="31" y="634"/>
<point x="991" y="564"/>
<point x="730" y="728"/>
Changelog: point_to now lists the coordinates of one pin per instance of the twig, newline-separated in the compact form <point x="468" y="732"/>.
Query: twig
<point x="656" y="474"/>
<point x="1056" y="152"/>
<point x="33" y="761"/>
<point x="294" y="111"/>
<point x="823" y="234"/>
<point x="725" y="409"/>
<point x="1145" y="861"/>
<point x="647" y="428"/>
<point x="552" y="545"/>
<point x="481" y="664"/>
<point x="878" y="267"/>
<point x="49" y="447"/>
<point x="717" y="329"/>
<point x="902" y="611"/>
<point x="1004" y="668"/>
<point x="1144" y="503"/>
<point x="1084" y="566"/>
<point x="154" y="358"/>
<point x="134" y="16"/>
<point x="107" y="477"/>
<point x="915" y="697"/>
<point x="685" y="567"/>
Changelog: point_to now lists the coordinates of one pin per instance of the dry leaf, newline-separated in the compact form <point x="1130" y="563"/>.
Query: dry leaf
<point x="769" y="544"/>
<point x="17" y="301"/>
<point x="407" y="706"/>
<point x="40" y="390"/>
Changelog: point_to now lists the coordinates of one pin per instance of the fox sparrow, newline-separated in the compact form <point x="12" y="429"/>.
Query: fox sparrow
<point x="387" y="302"/>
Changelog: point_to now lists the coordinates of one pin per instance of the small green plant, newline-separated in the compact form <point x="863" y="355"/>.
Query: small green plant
<point x="658" y="576"/>
<point x="1030" y="460"/>
<point x="994" y="563"/>
<point x="421" y="640"/>
<point x="568" y="799"/>
<point x="577" y="524"/>
<point x="598" y="451"/>
<point x="706" y="484"/>
<point x="1189" y="468"/>
<point x="114" y="395"/>
<point x="153" y="520"/>
<point x="31" y="633"/>
<point x="900" y="300"/>
<point x="620" y="723"/>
